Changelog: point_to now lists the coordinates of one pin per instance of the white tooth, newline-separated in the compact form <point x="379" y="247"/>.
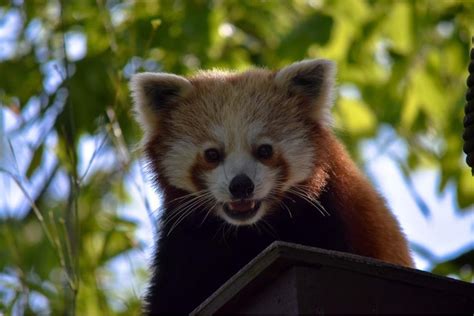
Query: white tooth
<point x="252" y="204"/>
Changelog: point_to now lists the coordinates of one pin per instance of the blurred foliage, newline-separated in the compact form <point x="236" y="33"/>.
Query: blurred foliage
<point x="460" y="267"/>
<point x="401" y="63"/>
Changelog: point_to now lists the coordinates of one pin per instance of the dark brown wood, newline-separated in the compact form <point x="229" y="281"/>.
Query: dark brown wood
<point x="293" y="279"/>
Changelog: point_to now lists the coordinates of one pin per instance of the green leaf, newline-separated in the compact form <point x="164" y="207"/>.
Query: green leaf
<point x="399" y="27"/>
<point x="466" y="190"/>
<point x="35" y="161"/>
<point x="314" y="29"/>
<point x="460" y="266"/>
<point x="355" y="117"/>
<point x="20" y="77"/>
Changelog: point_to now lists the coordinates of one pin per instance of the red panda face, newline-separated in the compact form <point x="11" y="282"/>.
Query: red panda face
<point x="235" y="142"/>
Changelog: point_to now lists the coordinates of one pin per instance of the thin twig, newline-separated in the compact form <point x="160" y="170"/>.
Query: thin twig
<point x="94" y="155"/>
<point x="32" y="203"/>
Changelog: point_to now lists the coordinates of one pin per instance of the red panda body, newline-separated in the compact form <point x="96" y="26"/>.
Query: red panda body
<point x="243" y="160"/>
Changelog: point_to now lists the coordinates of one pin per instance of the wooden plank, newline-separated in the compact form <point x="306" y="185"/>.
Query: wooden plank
<point x="288" y="278"/>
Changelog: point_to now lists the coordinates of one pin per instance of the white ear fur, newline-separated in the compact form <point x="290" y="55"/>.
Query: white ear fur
<point x="152" y="92"/>
<point x="313" y="79"/>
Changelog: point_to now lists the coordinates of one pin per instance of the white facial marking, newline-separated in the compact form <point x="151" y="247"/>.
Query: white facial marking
<point x="239" y="159"/>
<point x="177" y="162"/>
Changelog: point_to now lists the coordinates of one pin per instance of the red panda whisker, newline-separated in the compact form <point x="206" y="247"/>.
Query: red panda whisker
<point x="265" y="229"/>
<point x="278" y="185"/>
<point x="256" y="227"/>
<point x="220" y="228"/>
<point x="287" y="208"/>
<point x="301" y="194"/>
<point x="189" y="195"/>
<point x="228" y="231"/>
<point x="322" y="207"/>
<point x="191" y="204"/>
<point x="181" y="208"/>
<point x="270" y="228"/>
<point x="235" y="230"/>
<point x="260" y="228"/>
<point x="301" y="191"/>
<point x="279" y="202"/>
<point x="313" y="202"/>
<point x="189" y="211"/>
<point x="312" y="197"/>
<point x="225" y="229"/>
<point x="208" y="212"/>
<point x="305" y="190"/>
<point x="193" y="198"/>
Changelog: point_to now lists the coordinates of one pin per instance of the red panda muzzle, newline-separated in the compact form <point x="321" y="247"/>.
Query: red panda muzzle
<point x="242" y="205"/>
<point x="243" y="209"/>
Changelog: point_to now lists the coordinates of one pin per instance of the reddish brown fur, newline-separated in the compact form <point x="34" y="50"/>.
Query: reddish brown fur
<point x="371" y="228"/>
<point x="198" y="169"/>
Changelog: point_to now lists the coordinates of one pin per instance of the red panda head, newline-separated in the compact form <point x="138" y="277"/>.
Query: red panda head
<point x="238" y="141"/>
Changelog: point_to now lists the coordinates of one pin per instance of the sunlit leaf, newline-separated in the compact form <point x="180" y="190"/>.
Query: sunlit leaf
<point x="460" y="266"/>
<point x="399" y="28"/>
<point x="466" y="190"/>
<point x="315" y="29"/>
<point x="35" y="161"/>
<point x="355" y="117"/>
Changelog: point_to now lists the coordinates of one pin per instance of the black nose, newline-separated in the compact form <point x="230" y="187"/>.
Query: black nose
<point x="241" y="187"/>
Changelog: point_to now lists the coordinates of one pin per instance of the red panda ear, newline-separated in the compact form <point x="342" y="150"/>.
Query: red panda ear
<point x="314" y="80"/>
<point x="153" y="92"/>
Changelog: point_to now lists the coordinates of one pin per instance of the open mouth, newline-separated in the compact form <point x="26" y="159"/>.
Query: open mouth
<point x="242" y="209"/>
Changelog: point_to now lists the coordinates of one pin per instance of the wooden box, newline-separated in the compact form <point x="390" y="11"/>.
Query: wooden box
<point x="293" y="279"/>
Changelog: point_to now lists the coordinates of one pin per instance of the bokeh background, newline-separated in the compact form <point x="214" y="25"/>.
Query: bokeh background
<point x="77" y="215"/>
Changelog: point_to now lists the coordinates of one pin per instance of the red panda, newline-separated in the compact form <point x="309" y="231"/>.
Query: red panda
<point x="242" y="160"/>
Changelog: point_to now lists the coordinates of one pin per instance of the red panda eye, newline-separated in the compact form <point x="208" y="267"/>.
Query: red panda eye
<point x="212" y="155"/>
<point x="264" y="151"/>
